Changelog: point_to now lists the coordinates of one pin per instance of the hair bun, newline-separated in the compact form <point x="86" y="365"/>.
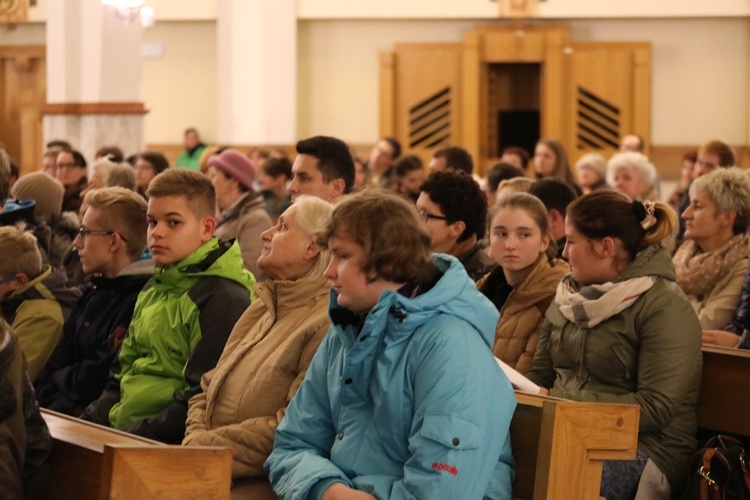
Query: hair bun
<point x="640" y="210"/>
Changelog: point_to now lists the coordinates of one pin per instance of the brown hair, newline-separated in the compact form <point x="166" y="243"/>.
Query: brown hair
<point x="123" y="211"/>
<point x="562" y="165"/>
<point x="534" y="207"/>
<point x="718" y="148"/>
<point x="19" y="253"/>
<point x="608" y="213"/>
<point x="395" y="244"/>
<point x="195" y="187"/>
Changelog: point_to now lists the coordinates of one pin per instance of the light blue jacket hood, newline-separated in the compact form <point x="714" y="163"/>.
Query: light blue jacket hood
<point x="454" y="294"/>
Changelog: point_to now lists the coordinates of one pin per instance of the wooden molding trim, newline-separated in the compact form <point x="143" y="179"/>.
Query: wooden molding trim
<point x="14" y="12"/>
<point x="26" y="51"/>
<point x="95" y="108"/>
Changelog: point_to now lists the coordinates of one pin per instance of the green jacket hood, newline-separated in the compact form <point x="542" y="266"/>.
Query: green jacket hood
<point x="654" y="260"/>
<point x="213" y="258"/>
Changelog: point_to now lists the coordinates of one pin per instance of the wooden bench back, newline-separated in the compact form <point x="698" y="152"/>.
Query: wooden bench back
<point x="724" y="402"/>
<point x="93" y="462"/>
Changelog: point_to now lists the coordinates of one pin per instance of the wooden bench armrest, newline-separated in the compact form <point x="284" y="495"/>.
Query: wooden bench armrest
<point x="572" y="440"/>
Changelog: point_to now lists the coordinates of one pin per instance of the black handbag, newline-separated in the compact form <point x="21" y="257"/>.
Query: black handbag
<point x="719" y="471"/>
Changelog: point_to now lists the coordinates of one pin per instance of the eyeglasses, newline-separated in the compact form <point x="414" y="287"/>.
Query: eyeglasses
<point x="66" y="166"/>
<point x="427" y="216"/>
<point x="83" y="232"/>
<point x="7" y="279"/>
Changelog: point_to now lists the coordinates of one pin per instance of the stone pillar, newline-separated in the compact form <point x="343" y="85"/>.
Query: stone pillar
<point x="257" y="72"/>
<point x="93" y="77"/>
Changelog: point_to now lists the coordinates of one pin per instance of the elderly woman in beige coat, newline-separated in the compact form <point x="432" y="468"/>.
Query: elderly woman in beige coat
<point x="269" y="349"/>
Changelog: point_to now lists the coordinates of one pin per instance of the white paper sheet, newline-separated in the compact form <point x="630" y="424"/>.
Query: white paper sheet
<point x="518" y="381"/>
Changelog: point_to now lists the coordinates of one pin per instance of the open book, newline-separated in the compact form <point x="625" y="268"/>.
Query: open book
<point x="518" y="381"/>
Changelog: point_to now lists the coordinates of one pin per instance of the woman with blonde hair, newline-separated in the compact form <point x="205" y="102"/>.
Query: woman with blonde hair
<point x="712" y="262"/>
<point x="269" y="350"/>
<point x="621" y="331"/>
<point x="523" y="285"/>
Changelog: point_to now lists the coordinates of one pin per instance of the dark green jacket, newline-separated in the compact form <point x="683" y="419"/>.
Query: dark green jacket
<point x="649" y="355"/>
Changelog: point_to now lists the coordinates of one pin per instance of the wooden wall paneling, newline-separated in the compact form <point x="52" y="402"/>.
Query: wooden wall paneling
<point x="387" y="93"/>
<point x="10" y="133"/>
<point x="513" y="45"/>
<point x="603" y="83"/>
<point x="22" y="96"/>
<point x="554" y="75"/>
<point x="474" y="95"/>
<point x="427" y="97"/>
<point x="642" y="93"/>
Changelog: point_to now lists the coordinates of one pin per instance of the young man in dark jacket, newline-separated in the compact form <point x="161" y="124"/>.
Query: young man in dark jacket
<point x="110" y="243"/>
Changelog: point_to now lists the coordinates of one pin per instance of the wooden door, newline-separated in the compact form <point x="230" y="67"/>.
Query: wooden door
<point x="608" y="95"/>
<point x="23" y="94"/>
<point x="421" y="84"/>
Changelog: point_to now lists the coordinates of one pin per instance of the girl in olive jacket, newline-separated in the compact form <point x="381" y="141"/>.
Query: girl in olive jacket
<point x="622" y="331"/>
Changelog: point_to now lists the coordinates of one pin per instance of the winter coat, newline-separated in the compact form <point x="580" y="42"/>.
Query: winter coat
<point x="412" y="405"/>
<point x="260" y="370"/>
<point x="37" y="311"/>
<point x="64" y="230"/>
<point x="182" y="320"/>
<point x="476" y="262"/>
<point x="77" y="371"/>
<point x="716" y="308"/>
<point x="25" y="443"/>
<point x="741" y="322"/>
<point x="517" y="332"/>
<point x="648" y="354"/>
<point x="245" y="221"/>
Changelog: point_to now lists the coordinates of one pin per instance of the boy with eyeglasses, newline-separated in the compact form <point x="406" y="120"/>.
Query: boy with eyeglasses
<point x="182" y="318"/>
<point x="110" y="244"/>
<point x="34" y="299"/>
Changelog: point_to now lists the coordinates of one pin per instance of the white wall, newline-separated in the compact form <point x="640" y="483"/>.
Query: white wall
<point x="549" y="9"/>
<point x="22" y="34"/>
<point x="179" y="89"/>
<point x="699" y="72"/>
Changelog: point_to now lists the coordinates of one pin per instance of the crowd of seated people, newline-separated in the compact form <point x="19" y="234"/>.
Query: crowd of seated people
<point x="321" y="316"/>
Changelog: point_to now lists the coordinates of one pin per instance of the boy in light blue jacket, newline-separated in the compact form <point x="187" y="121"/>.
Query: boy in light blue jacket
<point x="403" y="398"/>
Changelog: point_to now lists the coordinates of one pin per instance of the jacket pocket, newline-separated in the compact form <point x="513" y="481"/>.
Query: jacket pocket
<point x="451" y="431"/>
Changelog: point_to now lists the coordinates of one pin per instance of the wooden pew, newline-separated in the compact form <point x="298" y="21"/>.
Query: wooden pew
<point x="724" y="402"/>
<point x="94" y="462"/>
<point x="559" y="445"/>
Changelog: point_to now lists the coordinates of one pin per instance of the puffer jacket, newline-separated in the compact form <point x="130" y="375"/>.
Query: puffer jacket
<point x="517" y="332"/>
<point x="181" y="322"/>
<point x="37" y="312"/>
<point x="77" y="371"/>
<point x="260" y="370"/>
<point x="412" y="405"/>
<point x="245" y="221"/>
<point x="648" y="354"/>
<point x="25" y="442"/>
